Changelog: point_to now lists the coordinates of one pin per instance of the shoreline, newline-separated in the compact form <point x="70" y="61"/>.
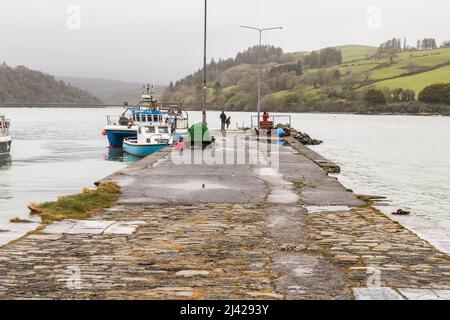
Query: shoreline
<point x="425" y="114"/>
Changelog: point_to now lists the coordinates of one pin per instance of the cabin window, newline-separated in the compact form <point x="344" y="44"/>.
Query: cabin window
<point x="149" y="129"/>
<point x="149" y="118"/>
<point x="155" y="118"/>
<point x="160" y="118"/>
<point x="163" y="130"/>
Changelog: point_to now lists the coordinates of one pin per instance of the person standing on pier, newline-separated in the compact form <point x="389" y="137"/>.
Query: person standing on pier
<point x="223" y="119"/>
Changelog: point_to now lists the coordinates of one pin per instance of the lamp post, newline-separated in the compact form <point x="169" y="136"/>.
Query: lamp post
<point x="204" y="66"/>
<point x="261" y="30"/>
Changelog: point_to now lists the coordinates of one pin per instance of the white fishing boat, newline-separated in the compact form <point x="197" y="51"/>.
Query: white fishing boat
<point x="5" y="139"/>
<point x="150" y="139"/>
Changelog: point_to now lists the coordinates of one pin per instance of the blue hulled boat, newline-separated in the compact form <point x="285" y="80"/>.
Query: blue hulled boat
<point x="150" y="139"/>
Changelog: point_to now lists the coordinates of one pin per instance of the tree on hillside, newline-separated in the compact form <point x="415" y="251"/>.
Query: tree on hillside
<point x="390" y="49"/>
<point x="287" y="68"/>
<point x="396" y="94"/>
<point x="375" y="97"/>
<point x="436" y="93"/>
<point x="408" y="95"/>
<point x="446" y="44"/>
<point x="394" y="44"/>
<point x="427" y="44"/>
<point x="337" y="74"/>
<point x="324" y="58"/>
<point x="217" y="89"/>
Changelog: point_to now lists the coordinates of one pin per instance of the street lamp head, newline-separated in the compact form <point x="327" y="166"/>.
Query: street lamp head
<point x="259" y="63"/>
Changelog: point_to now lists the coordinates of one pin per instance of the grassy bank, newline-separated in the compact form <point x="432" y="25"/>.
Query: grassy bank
<point x="79" y="206"/>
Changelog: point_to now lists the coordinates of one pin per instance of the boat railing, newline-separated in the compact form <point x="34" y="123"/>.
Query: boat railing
<point x="276" y="119"/>
<point x="112" y="120"/>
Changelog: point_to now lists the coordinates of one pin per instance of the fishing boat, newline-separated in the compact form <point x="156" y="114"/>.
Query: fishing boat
<point x="150" y="139"/>
<point x="5" y="139"/>
<point x="147" y="112"/>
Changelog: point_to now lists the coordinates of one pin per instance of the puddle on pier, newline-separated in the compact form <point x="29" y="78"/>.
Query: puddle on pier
<point x="282" y="191"/>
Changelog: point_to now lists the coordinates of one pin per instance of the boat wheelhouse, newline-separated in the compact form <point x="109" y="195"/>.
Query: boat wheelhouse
<point x="150" y="139"/>
<point x="5" y="139"/>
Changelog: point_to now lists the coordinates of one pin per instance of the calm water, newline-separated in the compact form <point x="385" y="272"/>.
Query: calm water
<point x="54" y="152"/>
<point x="405" y="158"/>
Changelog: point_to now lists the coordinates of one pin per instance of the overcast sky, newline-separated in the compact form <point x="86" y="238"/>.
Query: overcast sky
<point x="139" y="40"/>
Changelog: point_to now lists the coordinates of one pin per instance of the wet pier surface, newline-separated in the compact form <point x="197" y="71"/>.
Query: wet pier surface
<point x="241" y="220"/>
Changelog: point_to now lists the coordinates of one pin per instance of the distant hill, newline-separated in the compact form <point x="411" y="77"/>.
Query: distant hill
<point x="23" y="85"/>
<point x="110" y="91"/>
<point x="332" y="79"/>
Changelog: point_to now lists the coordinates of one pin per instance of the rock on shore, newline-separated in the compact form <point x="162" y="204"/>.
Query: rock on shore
<point x="304" y="138"/>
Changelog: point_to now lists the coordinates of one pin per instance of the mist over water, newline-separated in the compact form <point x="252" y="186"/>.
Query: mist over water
<point x="405" y="158"/>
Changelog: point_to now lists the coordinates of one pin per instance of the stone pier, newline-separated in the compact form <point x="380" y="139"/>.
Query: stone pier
<point x="269" y="225"/>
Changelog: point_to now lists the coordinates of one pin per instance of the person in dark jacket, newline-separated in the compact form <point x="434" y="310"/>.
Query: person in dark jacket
<point x="223" y="119"/>
<point x="228" y="122"/>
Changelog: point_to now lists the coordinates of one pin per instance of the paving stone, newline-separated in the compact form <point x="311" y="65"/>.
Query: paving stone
<point x="376" y="294"/>
<point x="419" y="294"/>
<point x="192" y="273"/>
<point x="442" y="294"/>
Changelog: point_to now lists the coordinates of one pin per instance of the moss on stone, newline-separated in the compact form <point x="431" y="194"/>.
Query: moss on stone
<point x="79" y="206"/>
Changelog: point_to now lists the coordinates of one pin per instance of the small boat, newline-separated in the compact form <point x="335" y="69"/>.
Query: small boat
<point x="5" y="139"/>
<point x="150" y="139"/>
<point x="147" y="112"/>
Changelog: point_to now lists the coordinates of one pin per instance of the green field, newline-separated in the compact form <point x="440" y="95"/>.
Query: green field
<point x="356" y="52"/>
<point x="419" y="81"/>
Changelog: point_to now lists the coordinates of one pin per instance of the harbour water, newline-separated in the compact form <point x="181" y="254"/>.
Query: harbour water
<point x="406" y="158"/>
